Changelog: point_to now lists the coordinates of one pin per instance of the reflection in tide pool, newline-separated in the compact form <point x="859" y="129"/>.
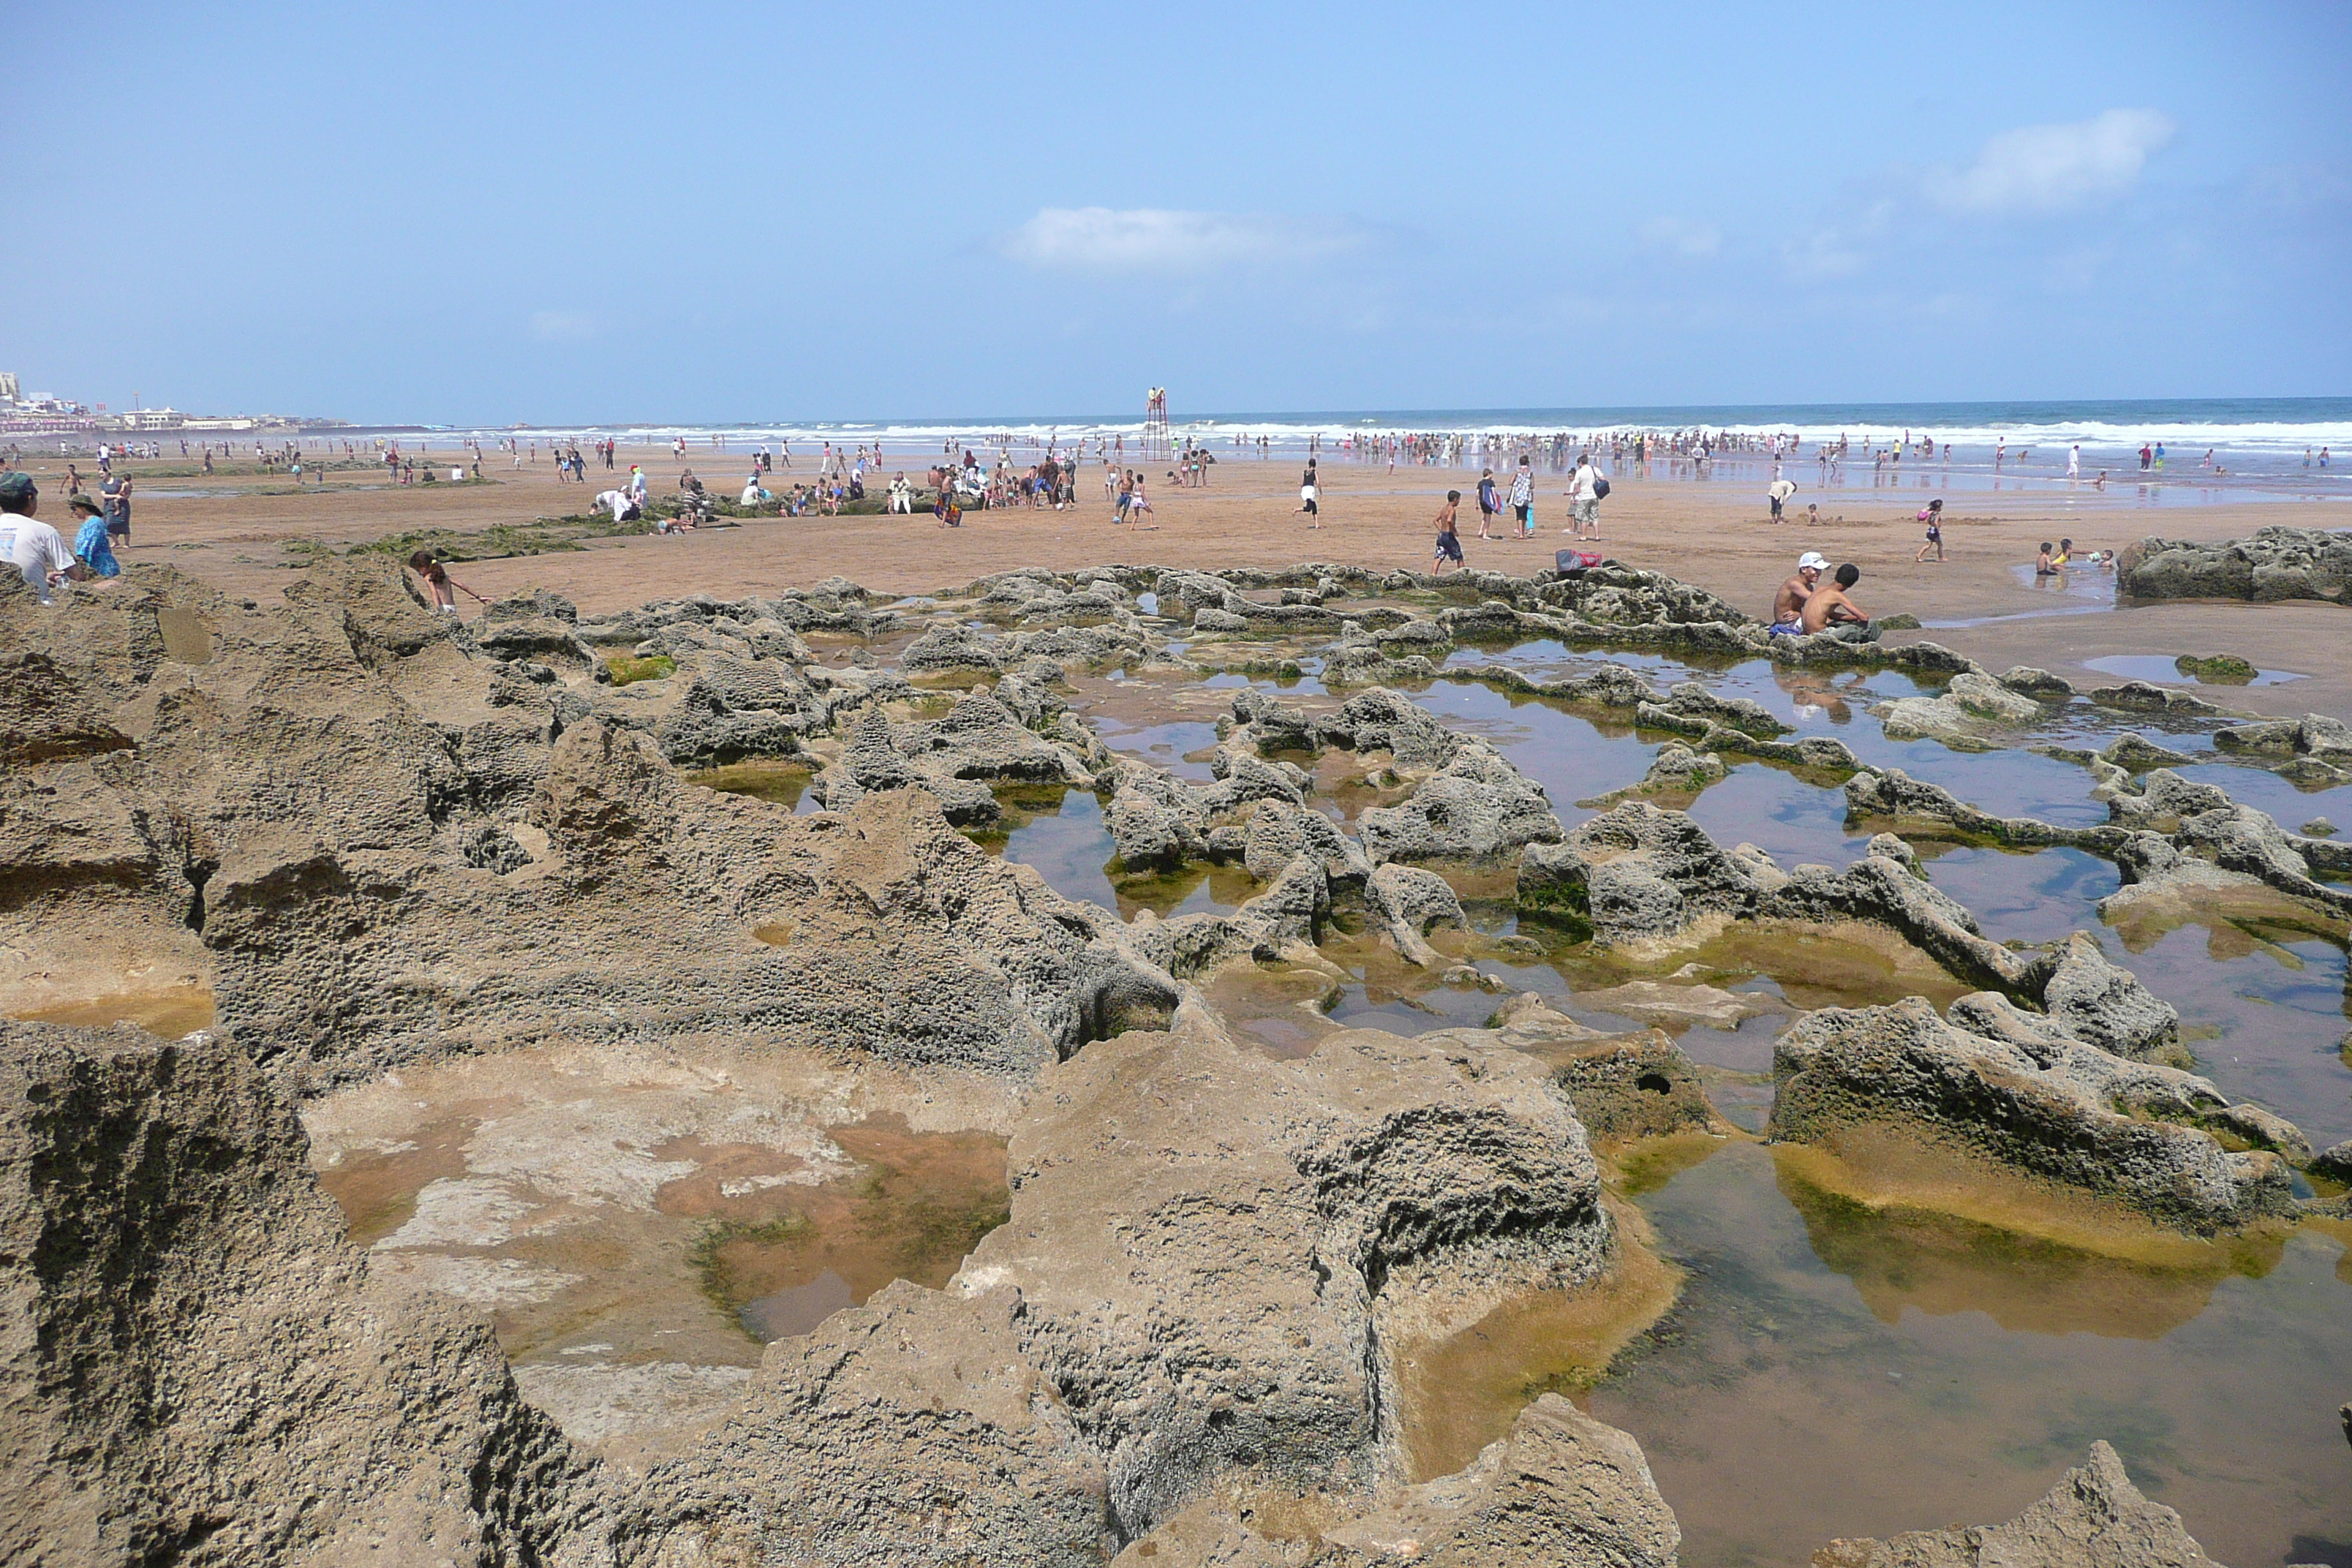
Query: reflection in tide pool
<point x="1830" y="1371"/>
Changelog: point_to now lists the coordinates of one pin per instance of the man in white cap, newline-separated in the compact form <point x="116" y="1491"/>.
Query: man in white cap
<point x="1789" y="604"/>
<point x="30" y="546"/>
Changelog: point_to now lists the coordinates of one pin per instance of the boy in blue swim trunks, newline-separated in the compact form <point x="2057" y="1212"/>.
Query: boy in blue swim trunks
<point x="1449" y="543"/>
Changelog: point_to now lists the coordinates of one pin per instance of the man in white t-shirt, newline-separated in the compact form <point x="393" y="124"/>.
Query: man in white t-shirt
<point x="32" y="546"/>
<point x="1778" y="492"/>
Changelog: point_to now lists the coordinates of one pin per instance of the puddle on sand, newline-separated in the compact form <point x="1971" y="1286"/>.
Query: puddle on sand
<point x="917" y="1203"/>
<point x="1916" y="1381"/>
<point x="167" y="1013"/>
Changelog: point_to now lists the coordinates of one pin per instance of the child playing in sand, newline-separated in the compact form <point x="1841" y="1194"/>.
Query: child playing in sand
<point x="2044" y="566"/>
<point x="1932" y="514"/>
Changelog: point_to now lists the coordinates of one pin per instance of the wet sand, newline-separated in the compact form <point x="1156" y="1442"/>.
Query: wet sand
<point x="247" y="533"/>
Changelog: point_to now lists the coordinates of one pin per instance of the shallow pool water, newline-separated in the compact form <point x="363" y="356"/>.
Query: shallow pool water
<point x="2161" y="670"/>
<point x="1834" y="1370"/>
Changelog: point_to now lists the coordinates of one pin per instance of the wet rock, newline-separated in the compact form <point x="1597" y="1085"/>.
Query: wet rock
<point x="1681" y="1000"/>
<point x="2319" y="827"/>
<point x="2026" y="1096"/>
<point x="950" y="647"/>
<point x="1382" y="721"/>
<point x="2038" y="684"/>
<point x="200" y="1368"/>
<point x="733" y="708"/>
<point x="1413" y="636"/>
<point x="1562" y="1490"/>
<point x="2273" y="564"/>
<point x="1280" y="1220"/>
<point x="2096" y="1003"/>
<point x="1887" y="847"/>
<point x="1881" y="891"/>
<point x="1278" y="832"/>
<point x="2216" y="667"/>
<point x="1285" y="920"/>
<point x="1410" y="903"/>
<point x="2141" y="697"/>
<point x="2335" y="1163"/>
<point x="2313" y="735"/>
<point x="1959" y="712"/>
<point x="1155" y="821"/>
<point x="1694" y="710"/>
<point x="1876" y="793"/>
<point x="1637" y="874"/>
<point x="1477" y="808"/>
<point x="1677" y="771"/>
<point x="2135" y="755"/>
<point x="2093" y="1518"/>
<point x="1208" y="618"/>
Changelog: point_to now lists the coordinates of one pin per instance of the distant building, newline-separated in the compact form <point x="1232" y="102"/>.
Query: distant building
<point x="8" y="388"/>
<point x="153" y="419"/>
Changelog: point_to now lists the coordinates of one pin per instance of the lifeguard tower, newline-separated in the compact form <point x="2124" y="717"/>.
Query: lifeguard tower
<point x="1156" y="444"/>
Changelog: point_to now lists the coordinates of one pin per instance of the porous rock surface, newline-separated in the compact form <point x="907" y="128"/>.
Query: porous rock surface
<point x="2093" y="1518"/>
<point x="2011" y="1087"/>
<point x="360" y="885"/>
<point x="2270" y="564"/>
<point x="1209" y="1259"/>
<point x="200" y="1370"/>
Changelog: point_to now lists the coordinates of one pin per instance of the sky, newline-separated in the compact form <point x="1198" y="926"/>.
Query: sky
<point x="704" y="213"/>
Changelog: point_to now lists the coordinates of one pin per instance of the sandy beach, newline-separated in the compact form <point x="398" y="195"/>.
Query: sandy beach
<point x="247" y="533"/>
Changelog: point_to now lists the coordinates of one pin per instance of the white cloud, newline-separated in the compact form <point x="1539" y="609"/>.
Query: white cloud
<point x="2052" y="168"/>
<point x="1680" y="236"/>
<point x="562" y="326"/>
<point x="1151" y="240"/>
<point x="1839" y="251"/>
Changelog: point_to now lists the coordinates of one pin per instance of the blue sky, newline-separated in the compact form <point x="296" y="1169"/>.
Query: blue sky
<point x="582" y="213"/>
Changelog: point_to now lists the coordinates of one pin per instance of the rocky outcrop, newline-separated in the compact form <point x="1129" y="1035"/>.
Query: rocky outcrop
<point x="1409" y="903"/>
<point x="1968" y="707"/>
<point x="2271" y="564"/>
<point x="1562" y="1491"/>
<point x="1624" y="1087"/>
<point x="1676" y="773"/>
<point x="1636" y="874"/>
<point x="2012" y="1088"/>
<point x="2100" y="1005"/>
<point x="200" y="1370"/>
<point x="1477" y="808"/>
<point x="2093" y="1518"/>
<point x="1270" y="1227"/>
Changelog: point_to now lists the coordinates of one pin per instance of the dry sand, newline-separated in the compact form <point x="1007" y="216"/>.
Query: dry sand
<point x="245" y="533"/>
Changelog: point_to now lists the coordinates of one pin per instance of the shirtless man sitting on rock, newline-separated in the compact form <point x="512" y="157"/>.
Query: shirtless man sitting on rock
<point x="1789" y="604"/>
<point x="1829" y="610"/>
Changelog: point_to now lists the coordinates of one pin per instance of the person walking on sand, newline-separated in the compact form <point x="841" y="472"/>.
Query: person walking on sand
<point x="1778" y="492"/>
<point x="1584" y="492"/>
<point x="1449" y="543"/>
<point x="1932" y="514"/>
<point x="1523" y="501"/>
<point x="1488" y="504"/>
<point x="1310" y="492"/>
